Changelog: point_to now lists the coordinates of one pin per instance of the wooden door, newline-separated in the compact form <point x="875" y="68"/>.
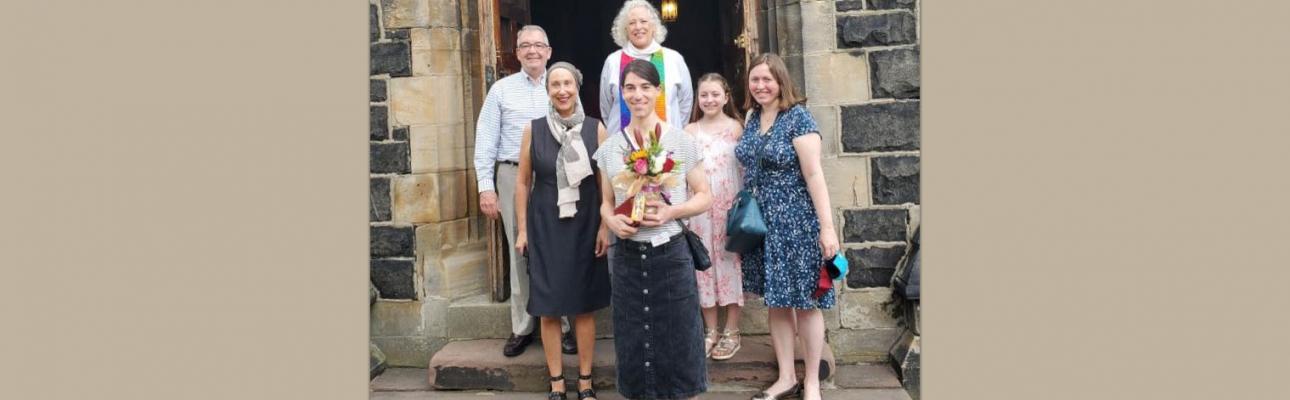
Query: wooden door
<point x="740" y="44"/>
<point x="748" y="39"/>
<point x="511" y="15"/>
<point x="505" y="17"/>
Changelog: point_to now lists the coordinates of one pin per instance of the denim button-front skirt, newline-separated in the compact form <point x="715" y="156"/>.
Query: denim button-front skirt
<point x="658" y="331"/>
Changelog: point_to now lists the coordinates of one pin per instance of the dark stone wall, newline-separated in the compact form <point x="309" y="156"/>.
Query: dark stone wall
<point x="886" y="130"/>
<point x="880" y="127"/>
<point x="392" y="247"/>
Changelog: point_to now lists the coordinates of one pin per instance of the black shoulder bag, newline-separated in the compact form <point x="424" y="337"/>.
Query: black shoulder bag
<point x="698" y="251"/>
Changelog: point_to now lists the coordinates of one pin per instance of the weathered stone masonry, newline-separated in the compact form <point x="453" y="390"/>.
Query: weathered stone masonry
<point x="426" y="238"/>
<point x="862" y="78"/>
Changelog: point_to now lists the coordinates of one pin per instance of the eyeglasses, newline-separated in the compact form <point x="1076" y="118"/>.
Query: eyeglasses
<point x="534" y="46"/>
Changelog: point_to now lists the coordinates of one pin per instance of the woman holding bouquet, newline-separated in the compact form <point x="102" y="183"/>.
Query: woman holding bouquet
<point x="658" y="333"/>
<point x="560" y="229"/>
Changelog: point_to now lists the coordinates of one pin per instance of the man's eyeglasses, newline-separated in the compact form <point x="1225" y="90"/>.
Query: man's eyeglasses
<point x="534" y="46"/>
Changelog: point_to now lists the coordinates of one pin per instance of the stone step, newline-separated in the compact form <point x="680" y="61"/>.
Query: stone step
<point x="831" y="394"/>
<point x="480" y="365"/>
<point x="478" y="317"/>
<point x="401" y="380"/>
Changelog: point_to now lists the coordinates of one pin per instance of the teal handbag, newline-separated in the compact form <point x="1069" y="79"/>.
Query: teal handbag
<point x="745" y="227"/>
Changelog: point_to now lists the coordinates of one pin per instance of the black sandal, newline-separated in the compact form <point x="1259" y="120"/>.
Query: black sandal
<point x="588" y="393"/>
<point x="554" y="395"/>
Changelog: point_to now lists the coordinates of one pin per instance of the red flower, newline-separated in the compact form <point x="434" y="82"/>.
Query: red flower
<point x="667" y="165"/>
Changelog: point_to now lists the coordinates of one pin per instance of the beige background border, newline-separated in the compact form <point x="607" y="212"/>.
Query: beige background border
<point x="185" y="200"/>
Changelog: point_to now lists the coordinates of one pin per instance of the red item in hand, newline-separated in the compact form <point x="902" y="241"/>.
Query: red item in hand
<point x="824" y="284"/>
<point x="626" y="209"/>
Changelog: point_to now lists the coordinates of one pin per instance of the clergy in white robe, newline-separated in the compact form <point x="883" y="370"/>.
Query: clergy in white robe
<point x="639" y="31"/>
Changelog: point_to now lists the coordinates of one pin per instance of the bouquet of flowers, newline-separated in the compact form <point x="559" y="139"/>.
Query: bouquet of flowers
<point x="648" y="172"/>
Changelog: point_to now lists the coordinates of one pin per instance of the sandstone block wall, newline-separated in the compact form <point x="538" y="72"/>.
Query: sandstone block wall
<point x="426" y="239"/>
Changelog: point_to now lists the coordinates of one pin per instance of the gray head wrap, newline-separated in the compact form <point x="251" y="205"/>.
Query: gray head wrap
<point x="577" y="75"/>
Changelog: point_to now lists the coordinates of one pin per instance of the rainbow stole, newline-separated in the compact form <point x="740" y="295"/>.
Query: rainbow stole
<point x="660" y="104"/>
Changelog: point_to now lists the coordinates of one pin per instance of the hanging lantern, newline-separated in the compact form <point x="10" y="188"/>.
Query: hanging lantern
<point x="669" y="10"/>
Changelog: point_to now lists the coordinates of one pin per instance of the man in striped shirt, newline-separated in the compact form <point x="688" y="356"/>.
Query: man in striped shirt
<point x="512" y="103"/>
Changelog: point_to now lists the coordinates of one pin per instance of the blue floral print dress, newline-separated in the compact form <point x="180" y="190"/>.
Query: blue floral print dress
<point x="784" y="271"/>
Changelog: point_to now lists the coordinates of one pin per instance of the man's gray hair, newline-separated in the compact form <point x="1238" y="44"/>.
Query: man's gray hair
<point x="527" y="28"/>
<point x="619" y="30"/>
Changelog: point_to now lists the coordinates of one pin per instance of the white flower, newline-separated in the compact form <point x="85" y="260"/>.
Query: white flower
<point x="656" y="163"/>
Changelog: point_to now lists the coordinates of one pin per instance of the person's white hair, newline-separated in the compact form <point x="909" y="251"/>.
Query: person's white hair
<point x="619" y="30"/>
<point x="527" y="28"/>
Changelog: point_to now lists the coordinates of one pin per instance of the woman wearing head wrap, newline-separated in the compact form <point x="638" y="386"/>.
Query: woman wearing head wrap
<point x="557" y="199"/>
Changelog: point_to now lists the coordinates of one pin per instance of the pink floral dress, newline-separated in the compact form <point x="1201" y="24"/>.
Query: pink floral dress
<point x="723" y="283"/>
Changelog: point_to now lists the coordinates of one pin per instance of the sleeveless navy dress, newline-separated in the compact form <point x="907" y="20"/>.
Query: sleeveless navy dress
<point x="565" y="276"/>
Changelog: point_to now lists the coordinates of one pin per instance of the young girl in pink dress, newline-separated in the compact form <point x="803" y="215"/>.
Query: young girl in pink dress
<point x="716" y="127"/>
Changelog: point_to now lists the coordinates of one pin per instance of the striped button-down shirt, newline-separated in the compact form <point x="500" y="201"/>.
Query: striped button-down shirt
<point x="512" y="103"/>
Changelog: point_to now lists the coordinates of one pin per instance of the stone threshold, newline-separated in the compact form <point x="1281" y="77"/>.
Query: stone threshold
<point x="831" y="394"/>
<point x="479" y="365"/>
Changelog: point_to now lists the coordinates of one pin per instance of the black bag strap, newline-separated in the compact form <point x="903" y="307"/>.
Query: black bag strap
<point x="761" y="152"/>
<point x="678" y="220"/>
<point x="630" y="145"/>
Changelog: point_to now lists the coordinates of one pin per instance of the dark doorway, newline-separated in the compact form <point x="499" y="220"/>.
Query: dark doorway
<point x="712" y="35"/>
<point x="704" y="33"/>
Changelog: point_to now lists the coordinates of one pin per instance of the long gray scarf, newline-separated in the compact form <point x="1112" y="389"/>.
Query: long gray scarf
<point x="572" y="165"/>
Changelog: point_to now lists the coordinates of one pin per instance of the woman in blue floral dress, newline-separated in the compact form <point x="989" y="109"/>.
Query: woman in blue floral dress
<point x="780" y="153"/>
